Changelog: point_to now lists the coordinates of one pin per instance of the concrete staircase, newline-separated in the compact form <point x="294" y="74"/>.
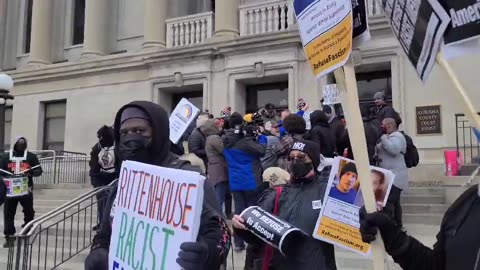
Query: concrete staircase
<point x="47" y="198"/>
<point x="424" y="205"/>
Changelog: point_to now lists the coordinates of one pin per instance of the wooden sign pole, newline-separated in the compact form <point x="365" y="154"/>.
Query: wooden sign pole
<point x="471" y="113"/>
<point x="348" y="85"/>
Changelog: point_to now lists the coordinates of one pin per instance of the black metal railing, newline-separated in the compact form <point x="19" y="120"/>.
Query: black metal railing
<point x="56" y="237"/>
<point x="468" y="146"/>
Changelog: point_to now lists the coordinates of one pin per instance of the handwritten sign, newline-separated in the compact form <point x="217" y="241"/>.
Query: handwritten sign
<point x="16" y="187"/>
<point x="429" y="120"/>
<point x="339" y="221"/>
<point x="156" y="210"/>
<point x="331" y="94"/>
<point x="183" y="115"/>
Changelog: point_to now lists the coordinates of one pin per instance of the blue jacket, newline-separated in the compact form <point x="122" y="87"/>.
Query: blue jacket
<point x="243" y="160"/>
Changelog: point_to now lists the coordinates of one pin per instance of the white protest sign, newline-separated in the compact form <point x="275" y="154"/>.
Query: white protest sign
<point x="181" y="118"/>
<point x="156" y="210"/>
<point x="331" y="94"/>
<point x="326" y="29"/>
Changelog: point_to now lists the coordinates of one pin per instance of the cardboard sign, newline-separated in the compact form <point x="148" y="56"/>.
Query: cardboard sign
<point x="465" y="20"/>
<point x="419" y="25"/>
<point x="16" y="187"/>
<point x="339" y="222"/>
<point x="156" y="210"/>
<point x="331" y="95"/>
<point x="271" y="229"/>
<point x="183" y="115"/>
<point x="326" y="32"/>
<point x="361" y="32"/>
<point x="429" y="120"/>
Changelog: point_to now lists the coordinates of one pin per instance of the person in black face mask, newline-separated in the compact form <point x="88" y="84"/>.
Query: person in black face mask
<point x="21" y="163"/>
<point x="299" y="204"/>
<point x="141" y="133"/>
<point x="103" y="161"/>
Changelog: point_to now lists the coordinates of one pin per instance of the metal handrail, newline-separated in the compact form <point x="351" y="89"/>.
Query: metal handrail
<point x="29" y="229"/>
<point x="20" y="256"/>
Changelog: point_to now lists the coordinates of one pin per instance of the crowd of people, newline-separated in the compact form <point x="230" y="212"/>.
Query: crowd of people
<point x="272" y="159"/>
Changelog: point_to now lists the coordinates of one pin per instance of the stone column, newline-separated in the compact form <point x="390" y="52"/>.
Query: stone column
<point x="226" y="18"/>
<point x="97" y="21"/>
<point x="154" y="27"/>
<point x="41" y="35"/>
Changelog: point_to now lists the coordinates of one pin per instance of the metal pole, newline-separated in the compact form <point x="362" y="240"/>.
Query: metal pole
<point x="2" y="128"/>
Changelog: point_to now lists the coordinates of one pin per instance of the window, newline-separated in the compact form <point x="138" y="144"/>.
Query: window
<point x="28" y="27"/>
<point x="54" y="125"/>
<point x="261" y="94"/>
<point x="196" y="98"/>
<point x="8" y="127"/>
<point x="371" y="82"/>
<point x="78" y="22"/>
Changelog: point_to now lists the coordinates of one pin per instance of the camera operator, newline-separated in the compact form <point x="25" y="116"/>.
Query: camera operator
<point x="242" y="154"/>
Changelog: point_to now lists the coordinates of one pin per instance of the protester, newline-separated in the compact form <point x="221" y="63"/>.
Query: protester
<point x="373" y="132"/>
<point x="458" y="242"/>
<point x="3" y="192"/>
<point x="103" y="164"/>
<point x="283" y="115"/>
<point x="295" y="207"/>
<point x="272" y="134"/>
<point x="29" y="166"/>
<point x="344" y="190"/>
<point x="296" y="128"/>
<point x="302" y="107"/>
<point x="196" y="141"/>
<point x="322" y="134"/>
<point x="382" y="110"/>
<point x="336" y="125"/>
<point x="391" y="149"/>
<point x="217" y="166"/>
<point x="244" y="168"/>
<point x="141" y="130"/>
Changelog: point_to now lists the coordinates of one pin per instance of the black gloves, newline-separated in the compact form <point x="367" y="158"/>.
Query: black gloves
<point x="193" y="255"/>
<point x="395" y="239"/>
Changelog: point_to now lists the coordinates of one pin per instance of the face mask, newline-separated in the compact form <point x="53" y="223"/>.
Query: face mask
<point x="299" y="169"/>
<point x="21" y="147"/>
<point x="134" y="147"/>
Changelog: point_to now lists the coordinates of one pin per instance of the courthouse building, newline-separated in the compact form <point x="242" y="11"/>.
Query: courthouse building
<point x="76" y="62"/>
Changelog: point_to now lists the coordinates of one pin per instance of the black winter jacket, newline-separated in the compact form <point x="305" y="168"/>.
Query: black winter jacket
<point x="456" y="248"/>
<point x="104" y="164"/>
<point x="322" y="134"/>
<point x="373" y="132"/>
<point x="295" y="207"/>
<point x="31" y="161"/>
<point x="196" y="144"/>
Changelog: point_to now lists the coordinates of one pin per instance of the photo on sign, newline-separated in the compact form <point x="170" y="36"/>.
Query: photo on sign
<point x="339" y="222"/>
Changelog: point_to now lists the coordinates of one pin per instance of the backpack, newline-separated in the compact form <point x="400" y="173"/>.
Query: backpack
<point x="411" y="155"/>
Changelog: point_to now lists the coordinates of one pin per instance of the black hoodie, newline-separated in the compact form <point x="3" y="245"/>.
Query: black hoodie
<point x="30" y="161"/>
<point x="213" y="230"/>
<point x="322" y="134"/>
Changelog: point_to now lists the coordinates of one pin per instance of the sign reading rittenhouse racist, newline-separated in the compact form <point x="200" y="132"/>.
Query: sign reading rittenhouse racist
<point x="156" y="210"/>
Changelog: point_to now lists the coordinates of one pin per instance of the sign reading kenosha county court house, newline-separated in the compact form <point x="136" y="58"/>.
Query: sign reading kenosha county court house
<point x="429" y="120"/>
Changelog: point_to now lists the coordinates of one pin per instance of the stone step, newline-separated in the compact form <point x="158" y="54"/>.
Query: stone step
<point x="421" y="199"/>
<point x="48" y="259"/>
<point x="424" y="191"/>
<point x="424" y="208"/>
<point x="425" y="219"/>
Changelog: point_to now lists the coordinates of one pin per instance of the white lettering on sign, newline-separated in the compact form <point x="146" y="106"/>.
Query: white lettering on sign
<point x="298" y="146"/>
